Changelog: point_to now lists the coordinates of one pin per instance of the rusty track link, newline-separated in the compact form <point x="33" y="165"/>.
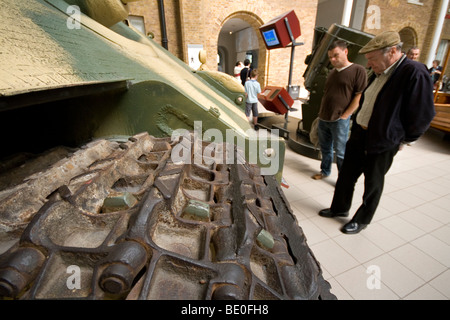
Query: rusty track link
<point x="133" y="224"/>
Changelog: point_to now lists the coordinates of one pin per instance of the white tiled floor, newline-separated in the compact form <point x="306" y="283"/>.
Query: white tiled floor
<point x="406" y="248"/>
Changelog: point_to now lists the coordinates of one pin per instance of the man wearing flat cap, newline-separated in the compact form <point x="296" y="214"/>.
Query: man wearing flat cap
<point x="395" y="109"/>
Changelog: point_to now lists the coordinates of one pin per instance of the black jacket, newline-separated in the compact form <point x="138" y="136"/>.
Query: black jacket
<point x="403" y="109"/>
<point x="245" y="73"/>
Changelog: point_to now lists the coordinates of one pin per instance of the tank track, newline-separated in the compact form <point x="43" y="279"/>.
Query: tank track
<point x="121" y="220"/>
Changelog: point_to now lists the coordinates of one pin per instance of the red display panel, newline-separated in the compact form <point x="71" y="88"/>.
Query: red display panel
<point x="276" y="99"/>
<point x="275" y="32"/>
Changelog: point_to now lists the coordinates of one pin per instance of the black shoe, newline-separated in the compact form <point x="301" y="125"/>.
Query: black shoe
<point x="353" y="227"/>
<point x="327" y="213"/>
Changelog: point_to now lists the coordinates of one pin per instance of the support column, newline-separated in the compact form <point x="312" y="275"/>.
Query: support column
<point x="437" y="33"/>
<point x="347" y="13"/>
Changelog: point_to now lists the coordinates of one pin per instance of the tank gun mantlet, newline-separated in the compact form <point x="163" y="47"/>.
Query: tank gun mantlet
<point x="225" y="84"/>
<point x="226" y="80"/>
<point x="221" y="81"/>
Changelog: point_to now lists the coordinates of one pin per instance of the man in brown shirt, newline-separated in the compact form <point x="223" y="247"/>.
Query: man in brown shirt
<point x="343" y="89"/>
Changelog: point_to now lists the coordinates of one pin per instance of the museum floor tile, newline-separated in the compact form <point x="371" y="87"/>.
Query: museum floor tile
<point x="405" y="252"/>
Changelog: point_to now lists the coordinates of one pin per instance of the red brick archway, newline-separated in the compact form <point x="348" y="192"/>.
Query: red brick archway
<point x="255" y="23"/>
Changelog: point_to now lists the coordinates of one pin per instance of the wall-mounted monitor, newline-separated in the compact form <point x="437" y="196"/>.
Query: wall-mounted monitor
<point x="270" y="38"/>
<point x="275" y="32"/>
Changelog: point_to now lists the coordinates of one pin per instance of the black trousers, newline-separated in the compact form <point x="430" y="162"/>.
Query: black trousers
<point x="356" y="162"/>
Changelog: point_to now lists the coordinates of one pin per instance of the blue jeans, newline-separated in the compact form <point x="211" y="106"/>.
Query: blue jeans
<point x="333" y="136"/>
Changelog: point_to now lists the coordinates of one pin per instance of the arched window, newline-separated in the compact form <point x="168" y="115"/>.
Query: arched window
<point x="409" y="38"/>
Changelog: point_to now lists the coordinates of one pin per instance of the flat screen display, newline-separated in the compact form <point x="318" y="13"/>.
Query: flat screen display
<point x="270" y="36"/>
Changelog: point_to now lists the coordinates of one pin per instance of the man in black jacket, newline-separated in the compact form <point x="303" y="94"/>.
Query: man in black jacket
<point x="395" y="109"/>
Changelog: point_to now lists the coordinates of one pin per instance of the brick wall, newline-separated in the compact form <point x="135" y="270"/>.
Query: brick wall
<point x="200" y="21"/>
<point x="149" y="9"/>
<point x="399" y="14"/>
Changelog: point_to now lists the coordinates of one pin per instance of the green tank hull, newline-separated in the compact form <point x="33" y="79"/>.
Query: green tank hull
<point x="67" y="79"/>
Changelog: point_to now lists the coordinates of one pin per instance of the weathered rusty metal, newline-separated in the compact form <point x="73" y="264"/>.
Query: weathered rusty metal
<point x="211" y="230"/>
<point x="123" y="265"/>
<point x="20" y="269"/>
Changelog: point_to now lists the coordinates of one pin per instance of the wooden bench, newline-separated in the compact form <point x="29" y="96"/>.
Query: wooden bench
<point x="441" y="120"/>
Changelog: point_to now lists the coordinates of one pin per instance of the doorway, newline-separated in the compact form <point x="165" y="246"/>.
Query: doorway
<point x="240" y="40"/>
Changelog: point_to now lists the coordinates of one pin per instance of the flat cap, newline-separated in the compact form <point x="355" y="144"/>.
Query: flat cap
<point x="381" y="41"/>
